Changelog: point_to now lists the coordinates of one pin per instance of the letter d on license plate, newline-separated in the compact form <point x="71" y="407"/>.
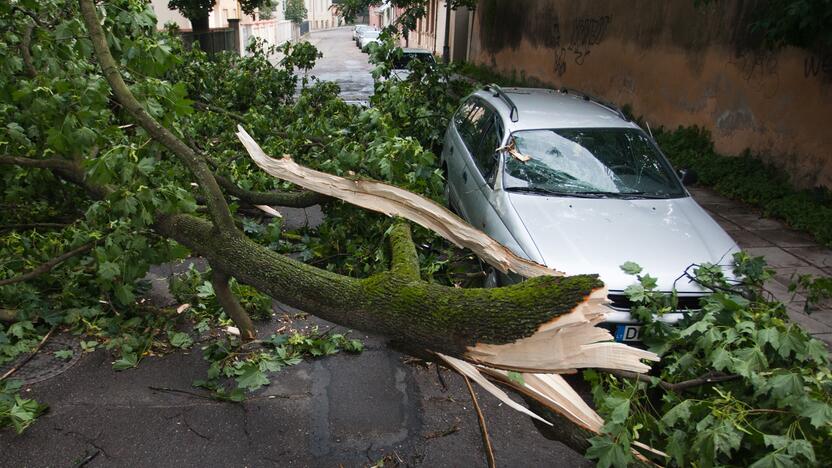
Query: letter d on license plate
<point x="627" y="333"/>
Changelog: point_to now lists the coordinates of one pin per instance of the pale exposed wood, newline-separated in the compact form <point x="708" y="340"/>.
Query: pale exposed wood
<point x="269" y="211"/>
<point x="395" y="201"/>
<point x="472" y="373"/>
<point x="570" y="341"/>
<point x="555" y="393"/>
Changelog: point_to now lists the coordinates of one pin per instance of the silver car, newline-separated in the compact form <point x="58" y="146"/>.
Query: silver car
<point x="568" y="181"/>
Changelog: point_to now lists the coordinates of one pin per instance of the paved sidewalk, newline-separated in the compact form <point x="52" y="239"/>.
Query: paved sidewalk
<point x="788" y="251"/>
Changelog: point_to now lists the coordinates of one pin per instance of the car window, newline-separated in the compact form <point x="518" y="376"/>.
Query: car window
<point x="462" y="114"/>
<point x="475" y="125"/>
<point x="486" y="153"/>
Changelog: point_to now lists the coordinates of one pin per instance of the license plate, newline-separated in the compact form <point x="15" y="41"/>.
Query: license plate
<point x="625" y="333"/>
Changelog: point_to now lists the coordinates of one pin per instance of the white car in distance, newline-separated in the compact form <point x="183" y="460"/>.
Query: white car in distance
<point x="358" y="29"/>
<point x="367" y="37"/>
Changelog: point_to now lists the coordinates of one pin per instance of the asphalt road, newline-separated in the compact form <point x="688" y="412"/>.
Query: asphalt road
<point x="343" y="410"/>
<point x="343" y="63"/>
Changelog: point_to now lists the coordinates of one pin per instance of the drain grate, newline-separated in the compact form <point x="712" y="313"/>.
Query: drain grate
<point x="44" y="365"/>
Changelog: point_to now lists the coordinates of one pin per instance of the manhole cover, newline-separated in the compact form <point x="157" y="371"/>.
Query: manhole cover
<point x="44" y="365"/>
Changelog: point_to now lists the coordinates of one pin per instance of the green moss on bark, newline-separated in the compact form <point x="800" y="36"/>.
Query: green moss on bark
<point x="396" y="304"/>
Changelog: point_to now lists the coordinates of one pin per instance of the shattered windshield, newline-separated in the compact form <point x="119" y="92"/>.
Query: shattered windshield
<point x="603" y="162"/>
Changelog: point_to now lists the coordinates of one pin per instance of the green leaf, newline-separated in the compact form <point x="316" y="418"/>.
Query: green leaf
<point x="774" y="460"/>
<point x="721" y="359"/>
<point x="786" y="385"/>
<point x="124" y="294"/>
<point x="251" y="378"/>
<point x="791" y="342"/>
<point x="108" y="270"/>
<point x="620" y="409"/>
<point x="819" y="413"/>
<point x="635" y="292"/>
<point x="678" y="447"/>
<point x="750" y="360"/>
<point x="145" y="165"/>
<point x="710" y="442"/>
<point x="677" y="413"/>
<point x="127" y="361"/>
<point x="181" y="340"/>
<point x="64" y="354"/>
<point x="648" y="282"/>
<point x="769" y="335"/>
<point x="775" y="441"/>
<point x="631" y="268"/>
<point x="608" y="452"/>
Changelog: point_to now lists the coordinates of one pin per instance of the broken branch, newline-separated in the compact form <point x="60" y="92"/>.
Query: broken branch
<point x="705" y="379"/>
<point x="48" y="265"/>
<point x="391" y="200"/>
<point x="303" y="199"/>
<point x="486" y="441"/>
<point x="22" y="363"/>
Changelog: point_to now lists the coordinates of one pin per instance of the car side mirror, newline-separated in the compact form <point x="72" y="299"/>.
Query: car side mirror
<point x="688" y="176"/>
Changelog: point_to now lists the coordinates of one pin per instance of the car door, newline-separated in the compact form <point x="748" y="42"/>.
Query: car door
<point x="481" y="165"/>
<point x="466" y="176"/>
<point x="454" y="154"/>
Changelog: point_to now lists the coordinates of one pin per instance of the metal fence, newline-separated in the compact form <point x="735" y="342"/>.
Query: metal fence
<point x="213" y="41"/>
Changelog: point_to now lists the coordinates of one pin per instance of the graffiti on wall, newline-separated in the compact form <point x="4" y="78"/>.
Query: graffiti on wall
<point x="818" y="65"/>
<point x="760" y="69"/>
<point x="585" y="32"/>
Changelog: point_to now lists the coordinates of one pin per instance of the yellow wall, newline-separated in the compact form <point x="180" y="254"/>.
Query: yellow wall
<point x="676" y="65"/>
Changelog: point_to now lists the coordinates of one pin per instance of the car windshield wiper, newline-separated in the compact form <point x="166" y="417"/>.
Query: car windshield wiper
<point x="623" y="195"/>
<point x="642" y="195"/>
<point x="554" y="193"/>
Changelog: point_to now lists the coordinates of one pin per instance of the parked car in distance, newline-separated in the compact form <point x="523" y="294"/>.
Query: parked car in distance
<point x="401" y="69"/>
<point x="569" y="182"/>
<point x="356" y="31"/>
<point x="368" y="37"/>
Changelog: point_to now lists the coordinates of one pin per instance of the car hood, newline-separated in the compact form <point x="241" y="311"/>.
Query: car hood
<point x="579" y="235"/>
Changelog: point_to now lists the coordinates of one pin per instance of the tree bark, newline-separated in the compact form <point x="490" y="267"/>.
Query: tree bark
<point x="200" y="24"/>
<point x="396" y="303"/>
<point x="229" y="303"/>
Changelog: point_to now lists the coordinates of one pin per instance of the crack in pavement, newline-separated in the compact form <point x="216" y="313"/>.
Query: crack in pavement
<point x="91" y="441"/>
<point x="190" y="428"/>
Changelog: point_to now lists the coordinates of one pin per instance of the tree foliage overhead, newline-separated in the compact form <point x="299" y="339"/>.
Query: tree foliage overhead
<point x="410" y="11"/>
<point x="198" y="10"/>
<point x="798" y="23"/>
<point x="295" y="11"/>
